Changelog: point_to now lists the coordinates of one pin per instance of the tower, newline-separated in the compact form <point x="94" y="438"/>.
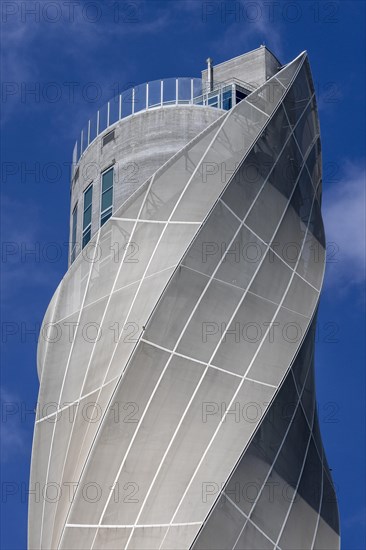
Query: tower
<point x="183" y="397"/>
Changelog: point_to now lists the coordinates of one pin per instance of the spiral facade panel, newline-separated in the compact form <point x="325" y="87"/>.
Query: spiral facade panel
<point x="207" y="435"/>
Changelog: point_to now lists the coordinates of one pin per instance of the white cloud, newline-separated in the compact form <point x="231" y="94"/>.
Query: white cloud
<point x="344" y="220"/>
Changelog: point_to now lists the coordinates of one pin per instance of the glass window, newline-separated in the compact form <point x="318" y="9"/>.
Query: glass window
<point x="87" y="217"/>
<point x="73" y="232"/>
<point x="213" y="101"/>
<point x="86" y="237"/>
<point x="107" y="196"/>
<point x="88" y="194"/>
<point x="227" y="100"/>
<point x="107" y="199"/>
<point x="107" y="180"/>
<point x="87" y="214"/>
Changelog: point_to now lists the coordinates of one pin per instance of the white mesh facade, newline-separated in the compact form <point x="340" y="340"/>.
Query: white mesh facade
<point x="182" y="376"/>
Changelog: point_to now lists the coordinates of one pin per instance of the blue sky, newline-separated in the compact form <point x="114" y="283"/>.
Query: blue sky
<point x="55" y="58"/>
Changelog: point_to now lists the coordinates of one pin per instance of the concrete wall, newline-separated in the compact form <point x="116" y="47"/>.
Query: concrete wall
<point x="254" y="67"/>
<point x="143" y="143"/>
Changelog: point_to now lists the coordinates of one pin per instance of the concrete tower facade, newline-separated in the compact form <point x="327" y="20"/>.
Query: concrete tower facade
<point x="184" y="403"/>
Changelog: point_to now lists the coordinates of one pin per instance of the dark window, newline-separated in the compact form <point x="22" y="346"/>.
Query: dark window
<point x="107" y="196"/>
<point x="240" y="95"/>
<point x="88" y="197"/>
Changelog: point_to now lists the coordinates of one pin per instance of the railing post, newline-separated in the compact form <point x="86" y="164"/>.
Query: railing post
<point x="133" y="100"/>
<point x="120" y="107"/>
<point x="88" y="131"/>
<point x="233" y="96"/>
<point x="147" y="96"/>
<point x="81" y="141"/>
<point x="176" y="91"/>
<point x="161" y="92"/>
<point x="108" y="113"/>
<point x="192" y="91"/>
<point x="98" y="122"/>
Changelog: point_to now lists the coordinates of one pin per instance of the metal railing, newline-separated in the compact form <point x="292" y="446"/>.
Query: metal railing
<point x="152" y="95"/>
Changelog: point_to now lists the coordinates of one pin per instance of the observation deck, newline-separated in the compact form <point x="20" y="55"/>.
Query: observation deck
<point x="155" y="95"/>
